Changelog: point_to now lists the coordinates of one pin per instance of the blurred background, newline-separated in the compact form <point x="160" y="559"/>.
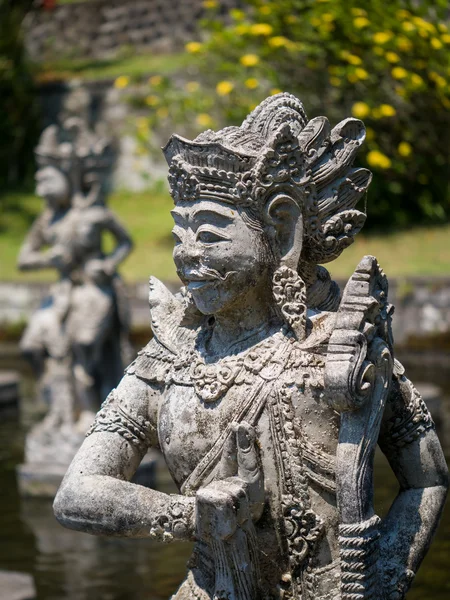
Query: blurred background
<point x="143" y="69"/>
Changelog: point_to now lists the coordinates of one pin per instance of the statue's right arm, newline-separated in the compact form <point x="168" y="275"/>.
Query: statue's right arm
<point x="30" y="256"/>
<point x="96" y="495"/>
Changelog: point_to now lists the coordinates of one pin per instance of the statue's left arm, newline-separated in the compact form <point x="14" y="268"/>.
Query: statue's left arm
<point x="124" y="243"/>
<point x="410" y="443"/>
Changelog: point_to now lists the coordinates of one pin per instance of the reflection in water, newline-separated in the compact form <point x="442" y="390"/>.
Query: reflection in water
<point x="67" y="565"/>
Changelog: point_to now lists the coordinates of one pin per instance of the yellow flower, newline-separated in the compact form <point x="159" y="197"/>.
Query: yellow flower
<point x="436" y="43"/>
<point x="237" y="15"/>
<point x="375" y="158"/>
<point x="399" y="73"/>
<point x="192" y="86"/>
<point x="446" y="38"/>
<point x="408" y="26"/>
<point x="278" y="41"/>
<point x="359" y="12"/>
<point x="422" y="24"/>
<point x="261" y="29"/>
<point x="386" y="110"/>
<point x="378" y="51"/>
<point x="275" y="91"/>
<point x="210" y="3"/>
<point x="328" y="18"/>
<point x="404" y="149"/>
<point x="155" y="80"/>
<point x="404" y="44"/>
<point x="242" y="29"/>
<point x="204" y="120"/>
<point x="361" y="22"/>
<point x="392" y="57"/>
<point x="416" y="80"/>
<point x="121" y="82"/>
<point x="162" y="112"/>
<point x="442" y="27"/>
<point x="361" y="73"/>
<point x="352" y="78"/>
<point x="360" y="110"/>
<point x="249" y="60"/>
<point x="381" y="37"/>
<point x="152" y="100"/>
<point x="351" y="58"/>
<point x="251" y="83"/>
<point x="438" y="79"/>
<point x="265" y="10"/>
<point x="291" y="19"/>
<point x="400" y="91"/>
<point x="335" y="81"/>
<point x="223" y="88"/>
<point x="316" y="22"/>
<point x="142" y="124"/>
<point x="193" y="47"/>
<point x="402" y="14"/>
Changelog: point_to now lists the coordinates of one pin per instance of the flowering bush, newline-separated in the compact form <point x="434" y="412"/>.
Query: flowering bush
<point x="386" y="63"/>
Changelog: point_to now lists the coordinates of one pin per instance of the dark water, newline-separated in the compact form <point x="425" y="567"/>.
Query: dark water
<point x="68" y="565"/>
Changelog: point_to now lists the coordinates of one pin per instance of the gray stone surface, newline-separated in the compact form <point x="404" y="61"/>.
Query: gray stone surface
<point x="266" y="388"/>
<point x="17" y="586"/>
<point x="77" y="340"/>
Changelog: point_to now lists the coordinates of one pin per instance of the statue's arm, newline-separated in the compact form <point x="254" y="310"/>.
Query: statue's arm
<point x="124" y="243"/>
<point x="96" y="495"/>
<point x="31" y="256"/>
<point x="409" y="440"/>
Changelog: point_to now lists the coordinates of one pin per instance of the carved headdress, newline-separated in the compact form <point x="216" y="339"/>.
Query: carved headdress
<point x="81" y="154"/>
<point x="276" y="149"/>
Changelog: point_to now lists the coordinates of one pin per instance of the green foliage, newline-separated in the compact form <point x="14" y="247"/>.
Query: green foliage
<point x="383" y="62"/>
<point x="18" y="115"/>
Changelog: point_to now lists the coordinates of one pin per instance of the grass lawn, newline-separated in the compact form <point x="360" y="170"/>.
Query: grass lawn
<point x="131" y="65"/>
<point x="419" y="251"/>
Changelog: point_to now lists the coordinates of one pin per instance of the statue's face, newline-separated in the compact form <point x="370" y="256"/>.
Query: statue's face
<point x="217" y="256"/>
<point x="52" y="185"/>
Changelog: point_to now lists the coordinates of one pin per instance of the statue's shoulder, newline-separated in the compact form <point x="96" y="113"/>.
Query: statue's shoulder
<point x="174" y="324"/>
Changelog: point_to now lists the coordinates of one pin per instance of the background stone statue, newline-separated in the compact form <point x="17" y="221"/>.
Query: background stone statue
<point x="77" y="339"/>
<point x="266" y="390"/>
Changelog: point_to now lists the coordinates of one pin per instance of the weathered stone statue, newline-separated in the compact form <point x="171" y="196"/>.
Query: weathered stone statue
<point x="76" y="339"/>
<point x="266" y="390"/>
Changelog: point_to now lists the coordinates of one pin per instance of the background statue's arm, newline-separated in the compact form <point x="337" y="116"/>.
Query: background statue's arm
<point x="409" y="440"/>
<point x="96" y="495"/>
<point x="124" y="243"/>
<point x="31" y="256"/>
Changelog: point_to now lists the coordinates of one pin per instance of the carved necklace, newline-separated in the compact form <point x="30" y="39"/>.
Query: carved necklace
<point x="213" y="380"/>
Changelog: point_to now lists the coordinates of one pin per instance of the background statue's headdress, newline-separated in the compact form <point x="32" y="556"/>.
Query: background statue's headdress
<point x="276" y="149"/>
<point x="77" y="151"/>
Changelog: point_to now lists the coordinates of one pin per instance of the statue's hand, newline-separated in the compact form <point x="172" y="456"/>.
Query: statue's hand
<point x="238" y="497"/>
<point x="97" y="270"/>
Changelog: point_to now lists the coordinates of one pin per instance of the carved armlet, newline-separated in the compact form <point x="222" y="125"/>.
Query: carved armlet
<point x="113" y="419"/>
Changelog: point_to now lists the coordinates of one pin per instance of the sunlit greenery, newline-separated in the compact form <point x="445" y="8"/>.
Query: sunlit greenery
<point x="384" y="62"/>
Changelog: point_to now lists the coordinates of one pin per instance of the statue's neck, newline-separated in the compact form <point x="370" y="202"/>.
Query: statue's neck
<point x="240" y="326"/>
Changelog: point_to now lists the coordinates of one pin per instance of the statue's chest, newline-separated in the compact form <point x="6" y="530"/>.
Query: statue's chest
<point x="74" y="229"/>
<point x="188" y="427"/>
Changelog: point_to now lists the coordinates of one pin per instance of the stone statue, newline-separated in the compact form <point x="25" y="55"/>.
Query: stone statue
<point x="77" y="338"/>
<point x="265" y="389"/>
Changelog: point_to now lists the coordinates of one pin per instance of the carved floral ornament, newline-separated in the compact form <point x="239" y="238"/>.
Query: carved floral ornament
<point x="277" y="150"/>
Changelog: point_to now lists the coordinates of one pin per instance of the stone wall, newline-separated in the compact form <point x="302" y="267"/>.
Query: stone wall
<point x="100" y="28"/>
<point x="421" y="319"/>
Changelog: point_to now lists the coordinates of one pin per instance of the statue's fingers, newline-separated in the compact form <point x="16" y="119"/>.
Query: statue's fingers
<point x="228" y="464"/>
<point x="247" y="457"/>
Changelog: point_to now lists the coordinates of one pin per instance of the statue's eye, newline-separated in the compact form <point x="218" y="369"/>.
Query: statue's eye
<point x="209" y="237"/>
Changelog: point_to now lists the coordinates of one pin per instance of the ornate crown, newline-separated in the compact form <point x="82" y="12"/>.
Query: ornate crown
<point x="74" y="146"/>
<point x="277" y="150"/>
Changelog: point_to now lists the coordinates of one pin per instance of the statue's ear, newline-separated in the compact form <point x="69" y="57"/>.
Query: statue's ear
<point x="284" y="221"/>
